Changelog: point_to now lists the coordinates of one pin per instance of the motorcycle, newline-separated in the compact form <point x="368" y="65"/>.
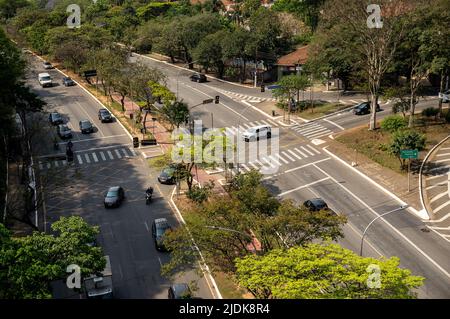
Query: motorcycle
<point x="148" y="195"/>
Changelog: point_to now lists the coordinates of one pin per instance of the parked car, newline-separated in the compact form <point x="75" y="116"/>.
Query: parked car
<point x="55" y="118"/>
<point x="86" y="126"/>
<point x="104" y="115"/>
<point x="198" y="77"/>
<point x="256" y="132"/>
<point x="66" y="81"/>
<point x="445" y="96"/>
<point x="159" y="227"/>
<point x="45" y="80"/>
<point x="114" y="197"/>
<point x="64" y="131"/>
<point x="167" y="175"/>
<point x="179" y="291"/>
<point x="364" y="108"/>
<point x="47" y="65"/>
<point x="315" y="204"/>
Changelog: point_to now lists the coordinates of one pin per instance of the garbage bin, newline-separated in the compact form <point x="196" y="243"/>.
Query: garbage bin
<point x="273" y="113"/>
<point x="131" y="116"/>
<point x="135" y="142"/>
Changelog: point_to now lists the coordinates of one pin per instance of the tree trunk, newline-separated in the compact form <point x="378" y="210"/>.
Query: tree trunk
<point x="441" y="89"/>
<point x="412" y="109"/>
<point x="122" y="102"/>
<point x="373" y="113"/>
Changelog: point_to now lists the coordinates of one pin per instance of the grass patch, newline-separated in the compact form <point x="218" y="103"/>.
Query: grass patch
<point x="374" y="144"/>
<point x="320" y="110"/>
<point x="161" y="161"/>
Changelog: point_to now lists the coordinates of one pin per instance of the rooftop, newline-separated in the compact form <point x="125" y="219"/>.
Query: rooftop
<point x="299" y="56"/>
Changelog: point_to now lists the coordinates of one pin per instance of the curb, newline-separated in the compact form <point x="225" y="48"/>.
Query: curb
<point x="205" y="268"/>
<point x="422" y="200"/>
<point x="410" y="209"/>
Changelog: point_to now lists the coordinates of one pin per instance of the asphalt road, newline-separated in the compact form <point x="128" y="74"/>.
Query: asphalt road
<point x="102" y="159"/>
<point x="304" y="170"/>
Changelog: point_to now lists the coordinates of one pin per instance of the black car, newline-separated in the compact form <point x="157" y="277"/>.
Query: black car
<point x="364" y="108"/>
<point x="114" y="197"/>
<point x="64" y="131"/>
<point x="104" y="115"/>
<point x="315" y="204"/>
<point x="68" y="81"/>
<point x="47" y="65"/>
<point x="55" y="118"/>
<point x="86" y="126"/>
<point x="179" y="291"/>
<point x="167" y="175"/>
<point x="198" y="77"/>
<point x="159" y="227"/>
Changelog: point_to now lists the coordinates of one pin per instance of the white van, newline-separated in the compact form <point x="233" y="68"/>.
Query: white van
<point x="45" y="80"/>
<point x="256" y="132"/>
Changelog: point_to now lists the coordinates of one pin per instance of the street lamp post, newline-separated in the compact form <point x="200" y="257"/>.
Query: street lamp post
<point x="234" y="231"/>
<point x="376" y="218"/>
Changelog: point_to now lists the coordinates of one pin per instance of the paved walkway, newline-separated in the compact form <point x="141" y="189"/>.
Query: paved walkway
<point x="436" y="188"/>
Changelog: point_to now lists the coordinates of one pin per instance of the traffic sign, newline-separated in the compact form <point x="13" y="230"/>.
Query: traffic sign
<point x="409" y="154"/>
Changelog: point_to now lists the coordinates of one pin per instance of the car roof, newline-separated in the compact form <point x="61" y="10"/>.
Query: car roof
<point x="103" y="110"/>
<point x="180" y="289"/>
<point x="44" y="74"/>
<point x="258" y="127"/>
<point x="55" y="113"/>
<point x="318" y="201"/>
<point x="161" y="221"/>
<point x="114" y="188"/>
<point x="85" y="121"/>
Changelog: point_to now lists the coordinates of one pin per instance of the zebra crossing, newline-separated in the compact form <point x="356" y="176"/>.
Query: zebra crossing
<point x="311" y="130"/>
<point x="233" y="130"/>
<point x="284" y="157"/>
<point x="245" y="97"/>
<point x="83" y="158"/>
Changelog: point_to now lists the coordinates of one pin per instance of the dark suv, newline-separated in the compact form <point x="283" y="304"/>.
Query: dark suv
<point x="86" y="126"/>
<point x="104" y="115"/>
<point x="114" y="197"/>
<point x="167" y="175"/>
<point x="315" y="204"/>
<point x="198" y="77"/>
<point x="179" y="291"/>
<point x="364" y="108"/>
<point x="64" y="131"/>
<point x="55" y="118"/>
<point x="67" y="81"/>
<point x="159" y="227"/>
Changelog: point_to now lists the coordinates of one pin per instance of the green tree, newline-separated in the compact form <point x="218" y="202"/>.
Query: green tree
<point x="175" y="113"/>
<point x="30" y="263"/>
<point x="308" y="10"/>
<point x="8" y="8"/>
<point x="328" y="271"/>
<point x="208" y="52"/>
<point x="290" y="86"/>
<point x="406" y="140"/>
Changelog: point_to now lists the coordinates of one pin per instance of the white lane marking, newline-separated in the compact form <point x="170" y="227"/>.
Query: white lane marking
<point x="444" y="148"/>
<point x="322" y="135"/>
<point x="310" y="128"/>
<point x="95" y="157"/>
<point x="90" y="118"/>
<point x="434" y="177"/>
<point x="278" y="155"/>
<point x="316" y="132"/>
<point x="79" y="159"/>
<point x="303" y="154"/>
<point x="319" y="134"/>
<point x="132" y="151"/>
<point x="102" y="156"/>
<point x="296" y="168"/>
<point x="294" y="154"/>
<point x="265" y="122"/>
<point x="443" y="160"/>
<point x="86" y="156"/>
<point x="256" y="123"/>
<point x="436" y="169"/>
<point x="337" y="125"/>
<point x="245" y="167"/>
<point x="444" y="154"/>
<point x="146" y="226"/>
<point x="275" y="160"/>
<point x="124" y="152"/>
<point x="313" y="149"/>
<point x="353" y="101"/>
<point x="254" y="166"/>
<point x="435" y="198"/>
<point x="118" y="154"/>
<point x="306" y="150"/>
<point x="288" y="156"/>
<point x="246" y="125"/>
<point x="272" y="122"/>
<point x="110" y="155"/>
<point x="440" y="219"/>
<point x="386" y="222"/>
<point x="441" y="206"/>
<point x="440" y="228"/>
<point x="257" y="162"/>
<point x="303" y="186"/>
<point x="232" y="110"/>
<point x="268" y="162"/>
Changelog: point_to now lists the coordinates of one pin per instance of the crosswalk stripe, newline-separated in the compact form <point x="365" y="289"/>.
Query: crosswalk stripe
<point x="118" y="154"/>
<point x="258" y="162"/>
<point x="278" y="155"/>
<point x="314" y="131"/>
<point x="80" y="161"/>
<point x="102" y="156"/>
<point x="254" y="166"/>
<point x="320" y="134"/>
<point x="272" y="122"/>
<point x="132" y="151"/>
<point x="309" y="152"/>
<point x="313" y="149"/>
<point x="256" y="123"/>
<point x="303" y="154"/>
<point x="275" y="160"/>
<point x="245" y="167"/>
<point x="86" y="156"/>
<point x="124" y="152"/>
<point x="307" y="129"/>
<point x="229" y="131"/>
<point x="110" y="155"/>
<point x="287" y="155"/>
<point x="95" y="157"/>
<point x="246" y="125"/>
<point x="267" y="161"/>
<point x="267" y="123"/>
<point x="295" y="154"/>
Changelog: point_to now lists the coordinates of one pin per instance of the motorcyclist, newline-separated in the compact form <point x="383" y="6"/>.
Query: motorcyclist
<point x="69" y="145"/>
<point x="149" y="191"/>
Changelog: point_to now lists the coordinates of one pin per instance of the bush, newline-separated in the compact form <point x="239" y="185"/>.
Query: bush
<point x="430" y="111"/>
<point x="199" y="194"/>
<point x="393" y="123"/>
<point x="406" y="140"/>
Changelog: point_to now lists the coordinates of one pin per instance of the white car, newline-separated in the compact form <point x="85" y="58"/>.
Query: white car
<point x="445" y="96"/>
<point x="45" y="80"/>
<point x="256" y="132"/>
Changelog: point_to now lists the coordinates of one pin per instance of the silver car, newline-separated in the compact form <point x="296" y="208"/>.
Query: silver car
<point x="445" y="96"/>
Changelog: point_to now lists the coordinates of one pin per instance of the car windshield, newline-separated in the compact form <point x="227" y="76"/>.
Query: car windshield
<point x="104" y="112"/>
<point x="168" y="171"/>
<point x="319" y="204"/>
<point x="161" y="229"/>
<point x="65" y="128"/>
<point x="56" y="116"/>
<point x="45" y="78"/>
<point x="361" y="105"/>
<point x="85" y="124"/>
<point x="251" y="130"/>
<point x="112" y="193"/>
